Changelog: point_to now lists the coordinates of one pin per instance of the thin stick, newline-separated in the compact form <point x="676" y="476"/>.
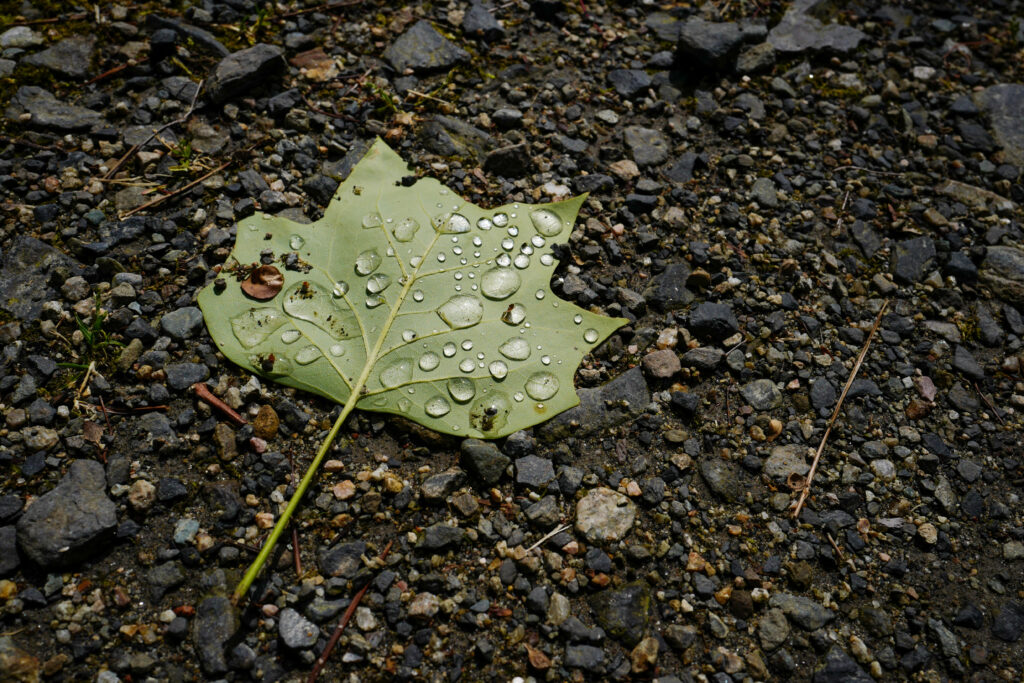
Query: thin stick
<point x="326" y="7"/>
<point x="108" y="72"/>
<point x="135" y="148"/>
<point x="295" y="552"/>
<point x="203" y="392"/>
<point x="835" y="413"/>
<point x="835" y="547"/>
<point x="550" y="534"/>
<point x="336" y="636"/>
<point x="991" y="407"/>
<point x="180" y="190"/>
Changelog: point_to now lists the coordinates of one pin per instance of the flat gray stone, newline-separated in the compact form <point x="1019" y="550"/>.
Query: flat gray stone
<point x="245" y="70"/>
<point x="623" y="613"/>
<point x="69" y="58"/>
<point x="1003" y="272"/>
<point x="804" y="612"/>
<point x="649" y="147"/>
<point x="762" y="394"/>
<point x="296" y="631"/>
<point x="799" y="31"/>
<point x="47" y="112"/>
<point x="722" y="477"/>
<point x="71" y="522"/>
<point x="600" y="408"/>
<point x="604" y="516"/>
<point x="422" y="49"/>
<point x="1003" y="105"/>
<point x="24" y="276"/>
<point x="215" y="623"/>
<point x="667" y="291"/>
<point x="912" y="258"/>
<point x="787" y="460"/>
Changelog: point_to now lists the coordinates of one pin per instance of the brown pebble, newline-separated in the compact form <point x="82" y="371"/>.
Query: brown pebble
<point x="266" y="423"/>
<point x="224" y="437"/>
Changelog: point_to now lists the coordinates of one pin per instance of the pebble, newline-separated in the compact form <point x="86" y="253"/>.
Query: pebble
<point x="604" y="515"/>
<point x="296" y="632"/>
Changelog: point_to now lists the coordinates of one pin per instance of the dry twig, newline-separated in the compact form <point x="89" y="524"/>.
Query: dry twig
<point x="336" y="636"/>
<point x="180" y="190"/>
<point x="995" y="411"/>
<point x="203" y="392"/>
<point x="806" y="490"/>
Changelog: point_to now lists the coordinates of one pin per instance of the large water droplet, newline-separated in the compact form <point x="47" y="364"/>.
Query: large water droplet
<point x="404" y="404"/>
<point x="460" y="311"/>
<point x="537" y="241"/>
<point x="515" y="348"/>
<point x="490" y="413"/>
<point x="255" y="325"/>
<point x="467" y="365"/>
<point x="590" y="336"/>
<point x="484" y="224"/>
<point x="513" y="231"/>
<point x="396" y="373"/>
<point x="290" y="336"/>
<point x="504" y="260"/>
<point x="438" y="406"/>
<point x="372" y="220"/>
<point x="453" y="223"/>
<point x="507" y="244"/>
<point x="296" y="242"/>
<point x="518" y="396"/>
<point x="337" y="350"/>
<point x="377" y="283"/>
<point x="514" y="314"/>
<point x="500" y="220"/>
<point x="521" y="261"/>
<point x="375" y="300"/>
<point x="477" y="241"/>
<point x="307" y="301"/>
<point x="545" y="360"/>
<point x="541" y="386"/>
<point x="546" y="222"/>
<point x="417" y="295"/>
<point x="500" y="283"/>
<point x="547" y="259"/>
<point x="307" y="354"/>
<point x="406" y="229"/>
<point x="467" y="345"/>
<point x="340" y="289"/>
<point x="429" y="361"/>
<point x="498" y="369"/>
<point x="461" y="389"/>
<point x="367" y="262"/>
<point x="449" y="349"/>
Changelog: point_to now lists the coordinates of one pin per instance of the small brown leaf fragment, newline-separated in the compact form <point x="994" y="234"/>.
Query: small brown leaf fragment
<point x="538" y="660"/>
<point x="92" y="432"/>
<point x="263" y="283"/>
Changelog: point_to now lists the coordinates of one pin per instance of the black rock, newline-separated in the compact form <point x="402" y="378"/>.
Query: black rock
<point x="439" y="536"/>
<point x="164" y="578"/>
<point x="198" y="36"/>
<point x="69" y="58"/>
<point x="342" y="560"/>
<point x="1002" y="104"/>
<point x="182" y="323"/>
<point x="245" y="71"/>
<point x="601" y="408"/>
<point x="584" y="657"/>
<point x="629" y="83"/>
<point x="24" y="276"/>
<point x="422" y="49"/>
<point x="685" y="402"/>
<point x="969" y="616"/>
<point x="9" y="560"/>
<point x="965" y="364"/>
<point x="912" y="258"/>
<point x="513" y="161"/>
<point x="479" y="22"/>
<point x="1008" y="623"/>
<point x="682" y="170"/>
<point x="709" y="44"/>
<point x="713" y="321"/>
<point x="71" y="522"/>
<point x="823" y="394"/>
<point x="320" y="188"/>
<point x="484" y="460"/>
<point x="623" y="612"/>
<point x="169" y="490"/>
<point x="215" y="623"/>
<point x="181" y="376"/>
<point x="961" y="267"/>
<point x="667" y="291"/>
<point x="162" y="43"/>
<point x="806" y="27"/>
<point x="841" y="668"/>
<point x="10" y="505"/>
<point x="534" y="472"/>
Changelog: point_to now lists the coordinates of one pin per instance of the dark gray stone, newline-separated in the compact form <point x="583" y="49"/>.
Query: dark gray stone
<point x="422" y="49"/>
<point x="802" y="30"/>
<point x="182" y="323"/>
<point x="511" y="161"/>
<point x="1003" y="272"/>
<point x="629" y="83"/>
<point x="296" y="632"/>
<point x="484" y="460"/>
<point x="215" y="623"/>
<point x="24" y="276"/>
<point x="722" y="477"/>
<point x="649" y="147"/>
<point x="244" y="71"/>
<point x="9" y="560"/>
<point x="667" y="291"/>
<point x="439" y="486"/>
<point x="623" y="612"/>
<point x="841" y="668"/>
<point x="912" y="258"/>
<point x="164" y="578"/>
<point x="181" y="376"/>
<point x="543" y="514"/>
<point x="534" y="472"/>
<point x="704" y="44"/>
<point x="342" y="560"/>
<point x="823" y="394"/>
<point x="199" y="37"/>
<point x="713" y="321"/>
<point x="69" y="58"/>
<point x="600" y="408"/>
<point x="1002" y="104"/>
<point x="320" y="188"/>
<point x="584" y="657"/>
<point x="703" y="358"/>
<point x="450" y="137"/>
<point x="664" y="25"/>
<point x="440" y="536"/>
<point x="804" y="612"/>
<point x="762" y="394"/>
<point x="479" y="22"/>
<point x="71" y="522"/>
<point x="1008" y="624"/>
<point x="965" y="364"/>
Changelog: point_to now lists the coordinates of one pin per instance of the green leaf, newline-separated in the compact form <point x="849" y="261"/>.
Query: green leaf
<point x="421" y="304"/>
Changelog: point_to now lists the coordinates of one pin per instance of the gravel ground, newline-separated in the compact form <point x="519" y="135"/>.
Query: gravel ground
<point x="767" y="179"/>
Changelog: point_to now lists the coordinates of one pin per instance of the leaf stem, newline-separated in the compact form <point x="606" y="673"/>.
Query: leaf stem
<point x="286" y="516"/>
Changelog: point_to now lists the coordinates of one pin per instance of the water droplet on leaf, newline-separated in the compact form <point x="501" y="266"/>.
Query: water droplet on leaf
<point x="547" y="259"/>
<point x="461" y="389"/>
<point x="499" y="283"/>
<point x="337" y="350"/>
<point x="515" y="348"/>
<point x="367" y="262"/>
<point x="307" y="301"/>
<point x="460" y="311"/>
<point x="438" y="406"/>
<point x="404" y="404"/>
<point x="467" y="365"/>
<point x="377" y="283"/>
<point x="484" y="224"/>
<point x="490" y="413"/>
<point x="290" y="336"/>
<point x="429" y="361"/>
<point x="451" y="223"/>
<point x="406" y="229"/>
<point x="408" y="335"/>
<point x="500" y="220"/>
<point x="417" y="295"/>
<point x="498" y="369"/>
<point x="307" y="355"/>
<point x="396" y="373"/>
<point x="449" y="349"/>
<point x="521" y="261"/>
<point x="374" y="300"/>
<point x="539" y="294"/>
<point x="546" y="222"/>
<point x="372" y="220"/>
<point x="514" y="314"/>
<point x="590" y="336"/>
<point x="541" y="386"/>
<point x="255" y="325"/>
<point x="296" y="242"/>
<point x="340" y="289"/>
